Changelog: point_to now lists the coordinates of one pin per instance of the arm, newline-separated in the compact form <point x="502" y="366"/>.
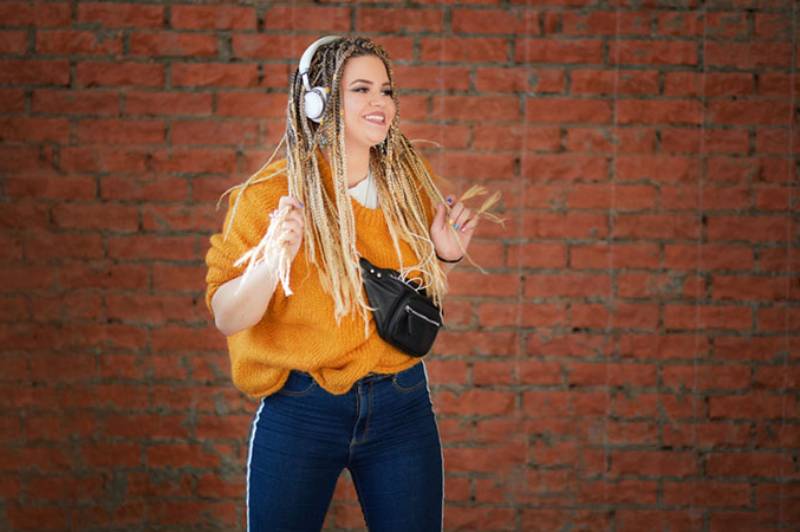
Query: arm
<point x="237" y="307"/>
<point x="238" y="304"/>
<point x="447" y="267"/>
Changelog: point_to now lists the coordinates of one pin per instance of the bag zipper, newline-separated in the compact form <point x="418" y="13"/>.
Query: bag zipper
<point x="423" y="316"/>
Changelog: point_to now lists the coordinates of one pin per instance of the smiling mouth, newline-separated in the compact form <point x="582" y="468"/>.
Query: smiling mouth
<point x="377" y="119"/>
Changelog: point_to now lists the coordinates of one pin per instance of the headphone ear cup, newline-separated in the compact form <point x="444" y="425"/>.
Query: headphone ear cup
<point x="314" y="101"/>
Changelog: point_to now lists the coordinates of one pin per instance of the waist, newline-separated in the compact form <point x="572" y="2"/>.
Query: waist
<point x="369" y="377"/>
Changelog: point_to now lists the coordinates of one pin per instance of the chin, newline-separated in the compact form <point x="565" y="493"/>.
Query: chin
<point x="371" y="141"/>
<point x="377" y="140"/>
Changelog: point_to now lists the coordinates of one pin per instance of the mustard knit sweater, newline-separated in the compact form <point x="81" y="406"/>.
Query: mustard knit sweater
<point x="299" y="331"/>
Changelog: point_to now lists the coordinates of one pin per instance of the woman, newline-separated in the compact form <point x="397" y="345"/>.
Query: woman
<point x="333" y="393"/>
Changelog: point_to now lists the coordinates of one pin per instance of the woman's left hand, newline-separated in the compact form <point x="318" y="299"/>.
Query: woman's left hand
<point x="447" y="241"/>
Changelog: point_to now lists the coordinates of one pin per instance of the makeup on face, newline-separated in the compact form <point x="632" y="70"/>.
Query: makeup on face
<point x="368" y="101"/>
<point x="364" y="86"/>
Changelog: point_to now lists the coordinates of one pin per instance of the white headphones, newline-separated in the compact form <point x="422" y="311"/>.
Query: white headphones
<point x="314" y="99"/>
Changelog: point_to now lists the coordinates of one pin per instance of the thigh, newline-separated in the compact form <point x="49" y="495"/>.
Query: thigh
<point x="398" y="468"/>
<point x="295" y="458"/>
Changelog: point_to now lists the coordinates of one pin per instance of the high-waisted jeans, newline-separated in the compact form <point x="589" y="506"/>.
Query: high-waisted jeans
<point x="383" y="431"/>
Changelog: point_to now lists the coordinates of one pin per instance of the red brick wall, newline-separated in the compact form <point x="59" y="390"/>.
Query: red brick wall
<point x="629" y="363"/>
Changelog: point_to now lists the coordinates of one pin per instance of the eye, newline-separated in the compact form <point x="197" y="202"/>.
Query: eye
<point x="387" y="92"/>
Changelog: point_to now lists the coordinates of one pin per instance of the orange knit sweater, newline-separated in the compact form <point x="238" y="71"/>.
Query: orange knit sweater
<point x="300" y="331"/>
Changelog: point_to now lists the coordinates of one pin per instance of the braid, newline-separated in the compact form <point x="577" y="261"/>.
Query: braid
<point x="403" y="183"/>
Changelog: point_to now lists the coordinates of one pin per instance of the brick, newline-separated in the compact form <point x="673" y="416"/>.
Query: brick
<point x="511" y="137"/>
<point x="431" y="77"/>
<point x="213" y="17"/>
<point x="12" y="101"/>
<point x="109" y="131"/>
<point x="679" y="464"/>
<point x="67" y="42"/>
<point x="749" y="55"/>
<point x="727" y="25"/>
<point x="707" y="317"/>
<point x="748" y="228"/>
<point x="561" y="110"/>
<point x="771" y="26"/>
<point x="635" y="52"/>
<point x="291" y="18"/>
<point x="466" y="20"/>
<point x="38" y="14"/>
<point x="464" y="49"/>
<point x="708" y="494"/>
<point x="28" y="72"/>
<point x="484" y="108"/>
<point x="606" y="23"/>
<point x="115" y="74"/>
<point x="555" y="51"/>
<point x="389" y="20"/>
<point x="121" y="15"/>
<point x="172" y="44"/>
<point x="603" y="82"/>
<point x="167" y="103"/>
<point x="761" y="464"/>
<point x="659" y="112"/>
<point x="679" y="24"/>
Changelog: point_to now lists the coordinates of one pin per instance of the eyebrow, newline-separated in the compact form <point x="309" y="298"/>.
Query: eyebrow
<point x="366" y="81"/>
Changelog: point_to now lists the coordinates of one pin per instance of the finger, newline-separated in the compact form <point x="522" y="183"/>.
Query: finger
<point x="295" y="218"/>
<point x="454" y="213"/>
<point x="290" y="201"/>
<point x="292" y="227"/>
<point x="470" y="225"/>
<point x="463" y="218"/>
<point x="439" y="219"/>
<point x="288" y="239"/>
<point x="284" y="201"/>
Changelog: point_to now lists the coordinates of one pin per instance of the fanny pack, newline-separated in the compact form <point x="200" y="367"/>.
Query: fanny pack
<point x="404" y="315"/>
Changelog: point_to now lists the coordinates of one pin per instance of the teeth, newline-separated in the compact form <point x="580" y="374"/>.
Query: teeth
<point x="375" y="118"/>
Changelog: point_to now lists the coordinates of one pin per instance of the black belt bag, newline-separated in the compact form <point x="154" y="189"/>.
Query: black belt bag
<point x="404" y="315"/>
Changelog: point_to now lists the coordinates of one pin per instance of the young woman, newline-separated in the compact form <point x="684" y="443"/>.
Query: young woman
<point x="334" y="394"/>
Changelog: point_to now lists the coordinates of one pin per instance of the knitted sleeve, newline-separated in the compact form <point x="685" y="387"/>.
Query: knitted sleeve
<point x="245" y="228"/>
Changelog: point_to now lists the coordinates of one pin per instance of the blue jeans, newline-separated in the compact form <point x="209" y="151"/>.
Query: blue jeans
<point x="383" y="431"/>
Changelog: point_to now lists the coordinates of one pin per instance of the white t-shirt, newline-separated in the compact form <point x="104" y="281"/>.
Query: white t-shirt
<point x="365" y="192"/>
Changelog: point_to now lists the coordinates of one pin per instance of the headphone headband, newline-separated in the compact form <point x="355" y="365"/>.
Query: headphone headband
<point x="308" y="55"/>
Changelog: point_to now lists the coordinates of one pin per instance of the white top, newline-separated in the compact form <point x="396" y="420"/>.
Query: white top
<point x="365" y="192"/>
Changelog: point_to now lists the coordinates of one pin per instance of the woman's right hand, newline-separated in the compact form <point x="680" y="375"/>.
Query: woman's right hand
<point x="290" y="233"/>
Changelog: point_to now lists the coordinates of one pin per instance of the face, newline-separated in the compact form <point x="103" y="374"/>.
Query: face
<point x="366" y="101"/>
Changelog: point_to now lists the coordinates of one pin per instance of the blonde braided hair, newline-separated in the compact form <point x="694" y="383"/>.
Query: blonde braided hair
<point x="403" y="181"/>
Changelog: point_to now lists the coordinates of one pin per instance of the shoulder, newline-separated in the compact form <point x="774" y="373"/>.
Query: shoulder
<point x="264" y="188"/>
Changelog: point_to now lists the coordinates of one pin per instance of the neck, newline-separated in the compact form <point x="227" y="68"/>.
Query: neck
<point x="357" y="163"/>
